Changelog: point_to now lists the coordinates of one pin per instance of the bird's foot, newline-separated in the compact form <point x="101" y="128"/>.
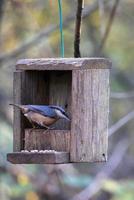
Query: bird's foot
<point x="48" y="129"/>
<point x="33" y="128"/>
<point x="51" y="128"/>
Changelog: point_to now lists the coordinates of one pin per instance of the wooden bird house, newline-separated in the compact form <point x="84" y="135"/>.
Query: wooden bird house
<point x="81" y="86"/>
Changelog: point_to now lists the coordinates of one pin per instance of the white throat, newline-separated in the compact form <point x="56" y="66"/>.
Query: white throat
<point x="59" y="113"/>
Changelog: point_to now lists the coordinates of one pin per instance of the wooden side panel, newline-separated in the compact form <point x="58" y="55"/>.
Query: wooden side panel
<point x="60" y="94"/>
<point x="39" y="139"/>
<point x="90" y="108"/>
<point x="17" y="134"/>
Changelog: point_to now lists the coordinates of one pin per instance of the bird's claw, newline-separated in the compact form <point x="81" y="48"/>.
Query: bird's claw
<point x="48" y="129"/>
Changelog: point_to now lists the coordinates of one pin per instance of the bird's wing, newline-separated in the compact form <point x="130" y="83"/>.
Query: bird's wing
<point x="57" y="107"/>
<point x="44" y="110"/>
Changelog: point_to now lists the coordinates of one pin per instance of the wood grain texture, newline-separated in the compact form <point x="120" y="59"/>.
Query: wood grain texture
<point x="38" y="158"/>
<point x="63" y="63"/>
<point x="40" y="139"/>
<point x="60" y="94"/>
<point x="90" y="108"/>
<point x="17" y="133"/>
<point x="35" y="87"/>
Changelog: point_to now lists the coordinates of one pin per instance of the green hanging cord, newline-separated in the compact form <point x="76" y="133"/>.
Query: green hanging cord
<point x="61" y="31"/>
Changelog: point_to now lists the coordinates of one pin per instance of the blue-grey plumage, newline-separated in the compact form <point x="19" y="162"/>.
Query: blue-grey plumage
<point x="42" y="115"/>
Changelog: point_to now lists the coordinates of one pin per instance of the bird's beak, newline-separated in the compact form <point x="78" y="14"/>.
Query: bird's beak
<point x="16" y="105"/>
<point x="23" y="108"/>
<point x="66" y="117"/>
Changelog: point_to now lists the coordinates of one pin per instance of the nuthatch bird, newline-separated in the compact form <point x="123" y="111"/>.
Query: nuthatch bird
<point x="42" y="115"/>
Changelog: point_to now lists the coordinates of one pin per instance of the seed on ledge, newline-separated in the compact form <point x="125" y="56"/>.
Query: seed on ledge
<point x="24" y="151"/>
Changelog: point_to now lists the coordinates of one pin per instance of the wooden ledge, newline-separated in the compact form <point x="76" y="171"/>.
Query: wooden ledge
<point x="63" y="64"/>
<point x="38" y="158"/>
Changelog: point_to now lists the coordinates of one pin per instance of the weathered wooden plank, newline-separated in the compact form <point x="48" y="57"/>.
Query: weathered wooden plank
<point x="63" y="63"/>
<point x="60" y="94"/>
<point x="40" y="139"/>
<point x="38" y="158"/>
<point x="17" y="134"/>
<point x="90" y="108"/>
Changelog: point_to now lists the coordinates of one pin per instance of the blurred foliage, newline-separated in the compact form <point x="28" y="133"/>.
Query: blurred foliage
<point x="22" y="21"/>
<point x="77" y="181"/>
<point x="121" y="190"/>
<point x="6" y="142"/>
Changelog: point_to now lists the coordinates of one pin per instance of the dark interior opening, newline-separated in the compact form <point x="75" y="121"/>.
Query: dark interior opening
<point x="48" y="88"/>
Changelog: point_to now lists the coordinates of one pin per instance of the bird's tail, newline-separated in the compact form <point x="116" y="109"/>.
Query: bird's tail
<point x="16" y="105"/>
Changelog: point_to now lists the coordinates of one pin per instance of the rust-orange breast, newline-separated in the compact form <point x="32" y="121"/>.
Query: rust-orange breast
<point x="40" y="119"/>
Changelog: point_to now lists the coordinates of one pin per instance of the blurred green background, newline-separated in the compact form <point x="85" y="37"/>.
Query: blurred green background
<point x="28" y="29"/>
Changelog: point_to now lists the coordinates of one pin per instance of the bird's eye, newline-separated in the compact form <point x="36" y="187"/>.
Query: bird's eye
<point x="66" y="105"/>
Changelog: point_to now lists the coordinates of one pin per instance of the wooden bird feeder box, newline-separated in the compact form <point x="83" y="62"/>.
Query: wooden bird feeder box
<point x="81" y="86"/>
